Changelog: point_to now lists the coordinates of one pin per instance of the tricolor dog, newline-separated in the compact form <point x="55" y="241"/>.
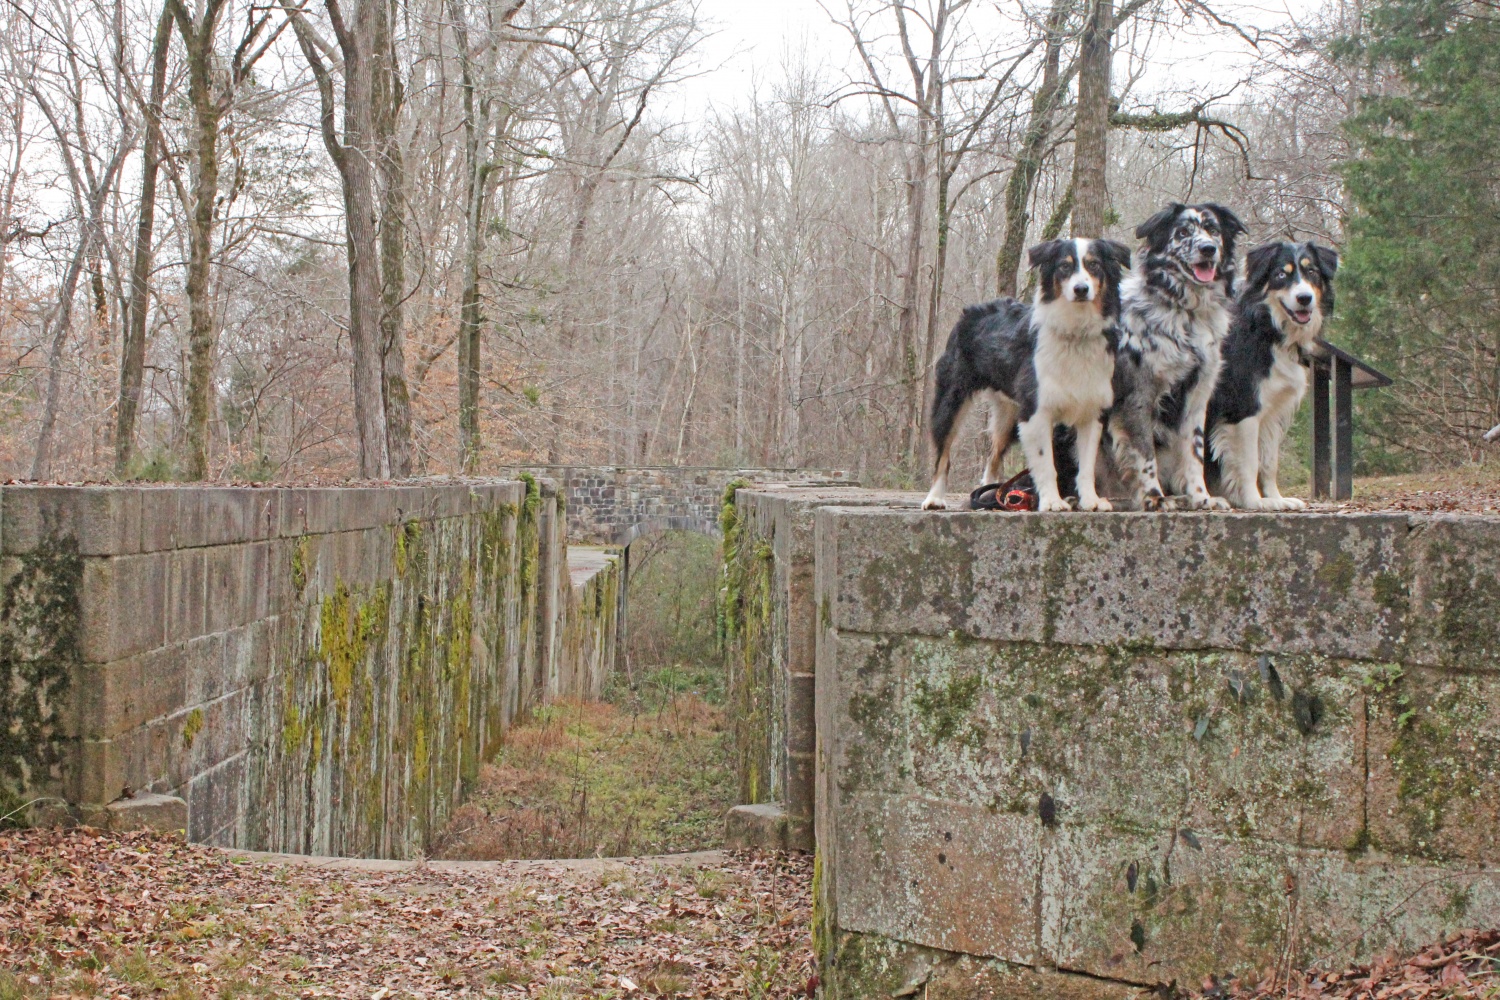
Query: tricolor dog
<point x="1048" y="364"/>
<point x="1175" y="310"/>
<point x="1288" y="295"/>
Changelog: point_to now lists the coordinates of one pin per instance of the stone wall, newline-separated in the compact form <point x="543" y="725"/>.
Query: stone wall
<point x="615" y="505"/>
<point x="768" y="620"/>
<point x="1069" y="755"/>
<point x="307" y="670"/>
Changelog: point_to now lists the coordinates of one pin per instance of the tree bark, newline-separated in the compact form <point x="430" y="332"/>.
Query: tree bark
<point x="1091" y="122"/>
<point x="89" y="234"/>
<point x="1022" y="181"/>
<point x="353" y="156"/>
<point x="387" y="99"/>
<point x="198" y="40"/>
<point x="133" y="349"/>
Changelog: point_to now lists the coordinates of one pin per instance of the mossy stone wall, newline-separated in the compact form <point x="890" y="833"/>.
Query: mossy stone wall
<point x="767" y="631"/>
<point x="311" y="670"/>
<point x="1139" y="748"/>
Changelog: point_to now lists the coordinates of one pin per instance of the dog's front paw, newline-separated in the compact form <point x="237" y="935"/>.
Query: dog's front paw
<point x="1283" y="503"/>
<point x="1098" y="503"/>
<point x="934" y="503"/>
<point x="1054" y="504"/>
<point x="1212" y="503"/>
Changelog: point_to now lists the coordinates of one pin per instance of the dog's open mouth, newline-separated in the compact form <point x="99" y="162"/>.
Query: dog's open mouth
<point x="1205" y="273"/>
<point x="1302" y="316"/>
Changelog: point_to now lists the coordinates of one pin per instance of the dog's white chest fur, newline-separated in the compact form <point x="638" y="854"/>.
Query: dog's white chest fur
<point x="1286" y="383"/>
<point x="1282" y="391"/>
<point x="1074" y="366"/>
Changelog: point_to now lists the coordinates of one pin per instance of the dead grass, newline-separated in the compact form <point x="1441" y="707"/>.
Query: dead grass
<point x="592" y="779"/>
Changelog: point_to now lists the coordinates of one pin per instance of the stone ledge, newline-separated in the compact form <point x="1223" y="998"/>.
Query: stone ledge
<point x="765" y="827"/>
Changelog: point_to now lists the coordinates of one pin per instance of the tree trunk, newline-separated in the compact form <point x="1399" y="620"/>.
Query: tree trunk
<point x="470" y="319"/>
<point x="133" y="350"/>
<point x="202" y="340"/>
<point x="911" y="279"/>
<point x="1091" y="123"/>
<point x="62" y="316"/>
<point x="387" y="100"/>
<point x="1022" y="180"/>
<point x="357" y="171"/>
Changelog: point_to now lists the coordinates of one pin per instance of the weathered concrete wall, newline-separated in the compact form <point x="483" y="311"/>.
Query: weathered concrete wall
<point x="615" y="505"/>
<point x="768" y="623"/>
<point x="313" y="670"/>
<point x="1148" y="747"/>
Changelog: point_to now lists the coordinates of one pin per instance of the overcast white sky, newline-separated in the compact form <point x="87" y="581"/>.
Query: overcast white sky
<point x="754" y="36"/>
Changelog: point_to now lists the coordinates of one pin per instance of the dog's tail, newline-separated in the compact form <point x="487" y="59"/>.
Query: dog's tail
<point x="953" y="391"/>
<point x="1493" y="434"/>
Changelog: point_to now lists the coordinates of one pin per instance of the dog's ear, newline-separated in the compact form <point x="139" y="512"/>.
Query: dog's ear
<point x="1328" y="260"/>
<point x="1156" y="229"/>
<point x="1228" y="221"/>
<point x="1115" y="253"/>
<point x="1259" y="263"/>
<point x="1043" y="253"/>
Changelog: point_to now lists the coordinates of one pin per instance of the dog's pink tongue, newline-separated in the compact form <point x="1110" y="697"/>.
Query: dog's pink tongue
<point x="1204" y="272"/>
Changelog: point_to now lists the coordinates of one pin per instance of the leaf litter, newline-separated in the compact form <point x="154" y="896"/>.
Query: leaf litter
<point x="93" y="914"/>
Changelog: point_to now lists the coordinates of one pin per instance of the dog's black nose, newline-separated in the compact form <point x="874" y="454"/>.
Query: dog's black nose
<point x="1304" y="299"/>
<point x="1207" y="250"/>
<point x="1080" y="291"/>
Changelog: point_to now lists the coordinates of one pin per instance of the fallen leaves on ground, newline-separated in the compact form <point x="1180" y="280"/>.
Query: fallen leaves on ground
<point x="1466" y="965"/>
<point x="84" y="913"/>
<point x="1470" y="489"/>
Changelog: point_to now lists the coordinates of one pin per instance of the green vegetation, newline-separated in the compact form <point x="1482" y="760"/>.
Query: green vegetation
<point x="39" y="650"/>
<point x="1423" y="255"/>
<point x="671" y="643"/>
<point x="585" y="779"/>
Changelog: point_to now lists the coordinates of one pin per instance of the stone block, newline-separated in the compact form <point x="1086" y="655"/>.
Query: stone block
<point x="764" y="827"/>
<point x="104" y="520"/>
<point x="309" y="511"/>
<point x="198" y="739"/>
<point x="1307" y="583"/>
<point x="95" y="772"/>
<point x="112" y="698"/>
<point x="158" y="518"/>
<point x="122" y="606"/>
<point x="801" y="725"/>
<point x="362" y="508"/>
<point x="147" y="811"/>
<point x="1455" y="593"/>
<point x="215" y="797"/>
<point x="938" y="874"/>
<point x="187" y="594"/>
<point x="1434" y="765"/>
<point x="1220" y="907"/>
<point x="1145" y="739"/>
<point x="865" y="966"/>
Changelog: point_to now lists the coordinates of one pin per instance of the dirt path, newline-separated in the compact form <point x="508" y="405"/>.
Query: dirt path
<point x="92" y="915"/>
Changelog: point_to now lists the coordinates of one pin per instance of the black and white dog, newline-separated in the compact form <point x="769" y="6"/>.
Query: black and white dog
<point x="1046" y="364"/>
<point x="1174" y="318"/>
<point x="1287" y="297"/>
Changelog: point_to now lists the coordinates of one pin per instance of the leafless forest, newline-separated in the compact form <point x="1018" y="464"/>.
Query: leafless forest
<point x="294" y="238"/>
